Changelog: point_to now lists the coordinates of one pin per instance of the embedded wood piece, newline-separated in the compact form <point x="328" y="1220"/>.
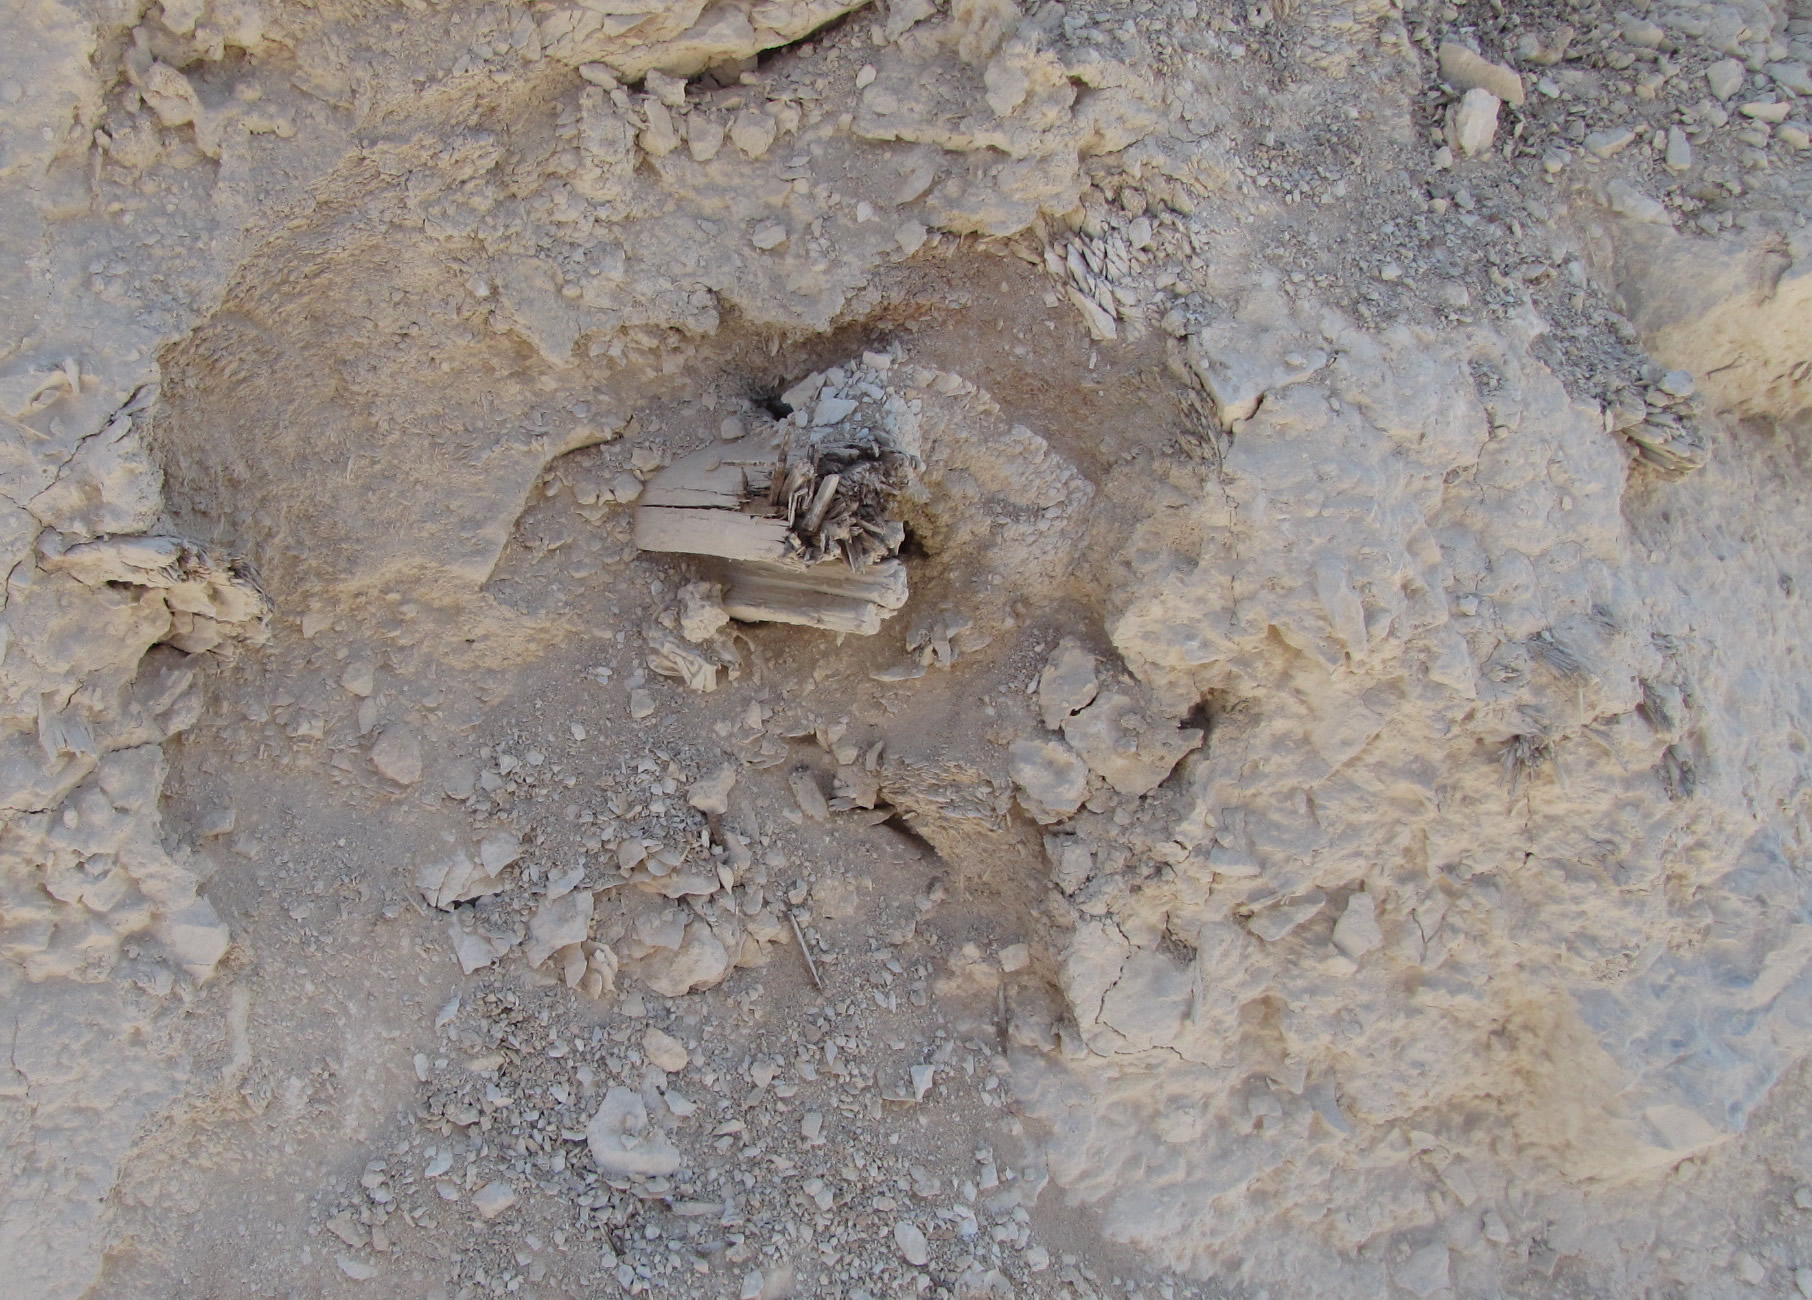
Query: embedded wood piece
<point x="730" y="534"/>
<point x="790" y="561"/>
<point x="720" y="477"/>
<point x="827" y="596"/>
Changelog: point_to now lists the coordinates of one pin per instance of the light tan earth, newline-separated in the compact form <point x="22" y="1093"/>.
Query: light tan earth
<point x="1330" y="818"/>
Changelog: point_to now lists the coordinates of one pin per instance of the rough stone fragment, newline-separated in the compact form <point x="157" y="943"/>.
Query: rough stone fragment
<point x="1610" y="142"/>
<point x="1631" y="202"/>
<point x="1148" y="1001"/>
<point x="1239" y="366"/>
<point x="670" y="91"/>
<point x="1356" y="932"/>
<point x="397" y="755"/>
<point x="170" y="95"/>
<point x="1466" y="69"/>
<point x="499" y="850"/>
<point x="753" y="132"/>
<point x="1067" y="683"/>
<point x="1795" y="77"/>
<point x="1052" y="780"/>
<point x="659" y="138"/>
<point x="1133" y="752"/>
<point x="356" y="1269"/>
<point x="700" y="961"/>
<point x="911" y="1240"/>
<point x="195" y="938"/>
<point x="664" y="1051"/>
<point x="711" y="794"/>
<point x="704" y="137"/>
<point x="1725" y="77"/>
<point x="1679" y="150"/>
<point x="454" y="879"/>
<point x="559" y="923"/>
<point x="701" y="613"/>
<point x="808" y="794"/>
<point x="493" y="1199"/>
<point x="1275" y="922"/>
<point x="474" y="951"/>
<point x="624" y="1142"/>
<point x="832" y="410"/>
<point x="1475" y="122"/>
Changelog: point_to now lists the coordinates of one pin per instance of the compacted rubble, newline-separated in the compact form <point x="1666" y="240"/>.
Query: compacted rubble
<point x="966" y="648"/>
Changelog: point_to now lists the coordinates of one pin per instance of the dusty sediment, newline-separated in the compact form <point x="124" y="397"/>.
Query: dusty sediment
<point x="1313" y="799"/>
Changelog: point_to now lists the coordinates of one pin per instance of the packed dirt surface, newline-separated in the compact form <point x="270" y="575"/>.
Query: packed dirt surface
<point x="946" y="648"/>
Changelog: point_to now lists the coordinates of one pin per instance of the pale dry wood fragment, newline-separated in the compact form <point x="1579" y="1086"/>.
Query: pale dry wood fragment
<point x="729" y="534"/>
<point x="827" y="596"/>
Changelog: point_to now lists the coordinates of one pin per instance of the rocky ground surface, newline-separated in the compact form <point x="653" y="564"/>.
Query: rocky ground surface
<point x="1331" y="817"/>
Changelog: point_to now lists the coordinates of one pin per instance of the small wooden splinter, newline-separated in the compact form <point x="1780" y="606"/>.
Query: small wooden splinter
<point x="810" y="965"/>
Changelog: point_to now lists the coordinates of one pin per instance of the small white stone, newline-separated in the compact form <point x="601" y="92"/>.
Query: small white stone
<point x="559" y="923"/>
<point x="923" y="1076"/>
<point x="832" y="410"/>
<point x="493" y="1199"/>
<point x="357" y="1270"/>
<point x="808" y="794"/>
<point x="1606" y="144"/>
<point x="1679" y="150"/>
<point x="623" y="1141"/>
<point x="671" y="91"/>
<point x="1747" y="1268"/>
<point x="1052" y="777"/>
<point x="866" y="77"/>
<point x="1475" y="122"/>
<point x="397" y="755"/>
<point x="711" y="794"/>
<point x="768" y="237"/>
<point x="1631" y="202"/>
<point x="360" y="677"/>
<point x="641" y="703"/>
<point x="195" y="938"/>
<point x="912" y="1243"/>
<point x="1276" y="921"/>
<point x="1725" y="77"/>
<point x="1014" y="957"/>
<point x="500" y="848"/>
<point x="664" y="1052"/>
<point x="1356" y="932"/>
